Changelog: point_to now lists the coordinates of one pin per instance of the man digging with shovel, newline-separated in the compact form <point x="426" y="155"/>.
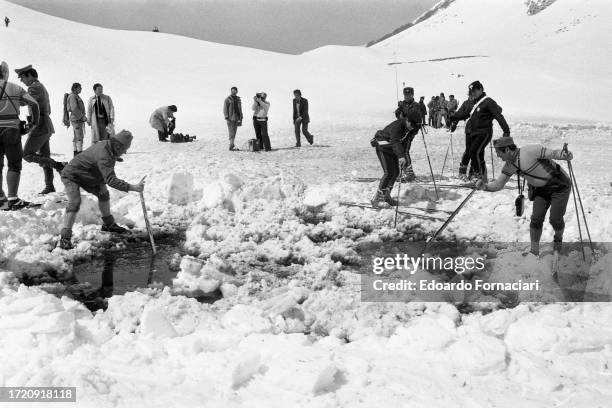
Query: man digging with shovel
<point x="92" y="170"/>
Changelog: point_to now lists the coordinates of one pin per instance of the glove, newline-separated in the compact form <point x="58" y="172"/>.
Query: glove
<point x="402" y="162"/>
<point x="453" y="126"/>
<point x="567" y="155"/>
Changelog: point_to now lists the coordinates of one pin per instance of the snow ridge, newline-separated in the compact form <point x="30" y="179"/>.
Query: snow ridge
<point x="429" y="13"/>
<point x="535" y="6"/>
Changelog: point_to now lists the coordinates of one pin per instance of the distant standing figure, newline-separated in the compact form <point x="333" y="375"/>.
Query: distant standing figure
<point x="260" y="120"/>
<point x="100" y="114"/>
<point x="431" y="106"/>
<point x="423" y="109"/>
<point x="77" y="119"/>
<point x="232" y="111"/>
<point x="301" y="118"/>
<point x="161" y="120"/>
<point x="443" y="110"/>
<point x="37" y="148"/>
<point x="6" y="21"/>
<point x="156" y="29"/>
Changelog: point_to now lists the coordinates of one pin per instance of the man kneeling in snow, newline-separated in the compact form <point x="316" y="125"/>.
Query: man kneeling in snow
<point x="92" y="170"/>
<point x="549" y="185"/>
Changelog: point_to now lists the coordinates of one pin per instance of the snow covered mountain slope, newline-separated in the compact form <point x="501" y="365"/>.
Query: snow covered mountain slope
<point x="532" y="64"/>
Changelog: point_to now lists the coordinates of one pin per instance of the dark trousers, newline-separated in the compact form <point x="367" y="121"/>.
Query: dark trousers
<point x="390" y="165"/>
<point x="554" y="198"/>
<point x="465" y="159"/>
<point x="299" y="123"/>
<point x="162" y="135"/>
<point x="10" y="146"/>
<point x="478" y="143"/>
<point x="37" y="150"/>
<point x="101" y="124"/>
<point x="257" y="127"/>
<point x="264" y="137"/>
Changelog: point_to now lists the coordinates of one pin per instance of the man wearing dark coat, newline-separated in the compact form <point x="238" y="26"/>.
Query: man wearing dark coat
<point x="301" y="118"/>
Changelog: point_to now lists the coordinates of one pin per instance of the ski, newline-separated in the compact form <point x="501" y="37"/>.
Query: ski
<point x="369" y="206"/>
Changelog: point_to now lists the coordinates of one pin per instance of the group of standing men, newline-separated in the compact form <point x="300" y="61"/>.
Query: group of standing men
<point x="441" y="109"/>
<point x="232" y="111"/>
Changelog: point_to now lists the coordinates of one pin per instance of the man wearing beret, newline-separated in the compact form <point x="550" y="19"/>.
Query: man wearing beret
<point x="37" y="148"/>
<point x="92" y="170"/>
<point x="549" y="185"/>
<point x="480" y="112"/>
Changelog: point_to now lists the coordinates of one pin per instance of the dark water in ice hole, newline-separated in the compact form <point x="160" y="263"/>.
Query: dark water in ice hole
<point x="121" y="270"/>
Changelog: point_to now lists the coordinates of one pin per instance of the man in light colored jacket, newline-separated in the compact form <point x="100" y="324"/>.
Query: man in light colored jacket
<point x="100" y="115"/>
<point x="76" y="108"/>
<point x="232" y="111"/>
<point x="260" y="120"/>
<point x="12" y="96"/>
<point x="160" y="120"/>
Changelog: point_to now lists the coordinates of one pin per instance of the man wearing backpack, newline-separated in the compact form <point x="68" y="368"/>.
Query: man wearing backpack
<point x="410" y="110"/>
<point x="480" y="113"/>
<point x="76" y="108"/>
<point x="12" y="96"/>
<point x="37" y="148"/>
<point x="549" y="186"/>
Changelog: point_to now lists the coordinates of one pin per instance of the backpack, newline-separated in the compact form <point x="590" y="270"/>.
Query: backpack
<point x="66" y="119"/>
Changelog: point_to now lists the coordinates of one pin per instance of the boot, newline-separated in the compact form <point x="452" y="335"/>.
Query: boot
<point x="49" y="187"/>
<point x="378" y="198"/>
<point x="65" y="239"/>
<point x="558" y="240"/>
<point x="462" y="173"/>
<point x="115" y="228"/>
<point x="388" y="199"/>
<point x="408" y="174"/>
<point x="59" y="166"/>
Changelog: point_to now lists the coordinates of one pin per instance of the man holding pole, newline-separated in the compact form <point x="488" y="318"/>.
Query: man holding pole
<point x="549" y="186"/>
<point x="92" y="170"/>
<point x="410" y="110"/>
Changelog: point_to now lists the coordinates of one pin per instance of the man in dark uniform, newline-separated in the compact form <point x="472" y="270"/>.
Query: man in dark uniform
<point x="423" y="109"/>
<point x="301" y="118"/>
<point x="37" y="148"/>
<point x="409" y="109"/>
<point x="480" y="112"/>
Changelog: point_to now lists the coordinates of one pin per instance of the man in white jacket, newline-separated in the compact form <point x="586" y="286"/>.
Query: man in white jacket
<point x="100" y="115"/>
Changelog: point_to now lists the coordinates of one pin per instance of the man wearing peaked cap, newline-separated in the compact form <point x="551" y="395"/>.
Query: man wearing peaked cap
<point x="92" y="170"/>
<point x="549" y="185"/>
<point x="479" y="110"/>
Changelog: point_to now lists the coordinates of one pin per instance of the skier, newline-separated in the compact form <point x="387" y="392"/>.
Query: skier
<point x="76" y="108"/>
<point x="465" y="159"/>
<point x="12" y="96"/>
<point x="549" y="185"/>
<point x="481" y="111"/>
<point x="301" y="118"/>
<point x="93" y="170"/>
<point x="393" y="155"/>
<point x="100" y="115"/>
<point x="37" y="147"/>
<point x="409" y="109"/>
<point x="232" y="110"/>
<point x="161" y="120"/>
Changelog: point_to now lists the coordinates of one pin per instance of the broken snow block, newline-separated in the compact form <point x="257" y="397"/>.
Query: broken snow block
<point x="153" y="323"/>
<point x="180" y="191"/>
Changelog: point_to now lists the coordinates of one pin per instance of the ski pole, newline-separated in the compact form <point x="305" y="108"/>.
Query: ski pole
<point x="431" y="239"/>
<point x="452" y="154"/>
<point x="146" y="218"/>
<point x="399" y="187"/>
<point x="492" y="162"/>
<point x="430" y="168"/>
<point x="575" y="184"/>
<point x="444" y="164"/>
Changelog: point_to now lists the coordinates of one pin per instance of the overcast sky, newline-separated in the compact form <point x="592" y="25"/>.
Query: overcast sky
<point x="291" y="26"/>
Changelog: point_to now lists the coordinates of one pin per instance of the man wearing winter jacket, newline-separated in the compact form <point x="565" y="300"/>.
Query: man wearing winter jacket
<point x="392" y="154"/>
<point x="76" y="108"/>
<point x="232" y="111"/>
<point x="37" y="147"/>
<point x="423" y="109"/>
<point x="301" y="118"/>
<point x="260" y="120"/>
<point x="160" y="120"/>
<point x="480" y="113"/>
<point x="431" y="105"/>
<point x="12" y="96"/>
<point x="100" y="114"/>
<point x="93" y="170"/>
<point x="410" y="110"/>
